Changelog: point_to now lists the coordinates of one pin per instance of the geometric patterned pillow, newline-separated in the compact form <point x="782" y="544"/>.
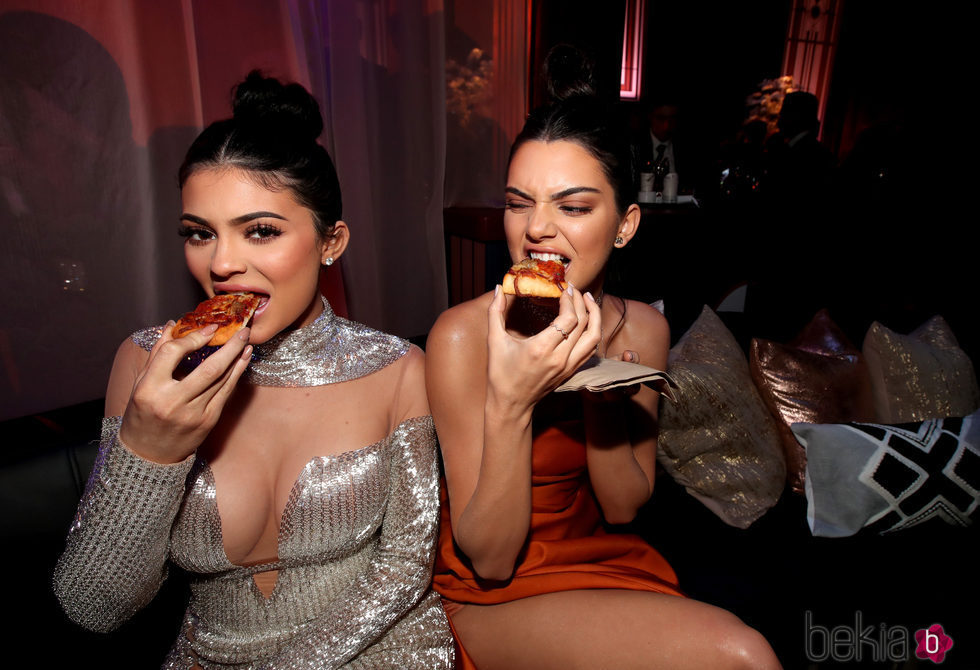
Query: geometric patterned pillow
<point x="882" y="478"/>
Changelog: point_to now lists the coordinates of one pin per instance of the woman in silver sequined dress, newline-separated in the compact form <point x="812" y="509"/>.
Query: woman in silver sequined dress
<point x="293" y="473"/>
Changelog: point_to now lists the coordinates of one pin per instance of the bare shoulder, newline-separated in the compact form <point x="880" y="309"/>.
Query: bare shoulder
<point x="647" y="318"/>
<point x="409" y="391"/>
<point x="460" y="329"/>
<point x="412" y="367"/>
<point x="646" y="331"/>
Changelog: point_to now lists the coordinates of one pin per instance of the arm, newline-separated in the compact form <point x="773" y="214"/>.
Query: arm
<point x="114" y="560"/>
<point x="483" y="385"/>
<point x="401" y="570"/>
<point x="621" y="428"/>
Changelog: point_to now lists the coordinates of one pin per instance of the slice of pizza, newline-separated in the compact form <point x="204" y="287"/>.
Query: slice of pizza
<point x="231" y="311"/>
<point x="533" y="278"/>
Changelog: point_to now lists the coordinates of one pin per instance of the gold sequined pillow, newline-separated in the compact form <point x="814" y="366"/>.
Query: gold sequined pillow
<point x="819" y="377"/>
<point x="923" y="375"/>
<point x="717" y="439"/>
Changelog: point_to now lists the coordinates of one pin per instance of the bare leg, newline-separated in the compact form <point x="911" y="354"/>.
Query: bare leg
<point x="614" y="629"/>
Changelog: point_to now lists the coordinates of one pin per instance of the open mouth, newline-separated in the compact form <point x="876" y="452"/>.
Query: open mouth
<point x="549" y="257"/>
<point x="263" y="302"/>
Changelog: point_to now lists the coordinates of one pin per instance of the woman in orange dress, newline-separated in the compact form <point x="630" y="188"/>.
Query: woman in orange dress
<point x="527" y="572"/>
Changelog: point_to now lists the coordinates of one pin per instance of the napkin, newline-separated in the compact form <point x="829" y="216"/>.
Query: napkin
<point x="601" y="374"/>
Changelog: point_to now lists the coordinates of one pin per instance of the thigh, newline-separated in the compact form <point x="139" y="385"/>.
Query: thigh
<point x="614" y="629"/>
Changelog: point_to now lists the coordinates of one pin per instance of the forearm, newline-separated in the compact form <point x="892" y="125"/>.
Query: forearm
<point x="620" y="482"/>
<point x="115" y="557"/>
<point x="493" y="527"/>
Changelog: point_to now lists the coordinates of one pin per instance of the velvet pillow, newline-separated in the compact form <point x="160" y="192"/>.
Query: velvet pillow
<point x="884" y="477"/>
<point x="923" y="375"/>
<point x="820" y="377"/>
<point x="717" y="439"/>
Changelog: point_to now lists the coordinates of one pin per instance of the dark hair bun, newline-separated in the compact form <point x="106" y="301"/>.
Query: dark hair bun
<point x="568" y="72"/>
<point x="287" y="109"/>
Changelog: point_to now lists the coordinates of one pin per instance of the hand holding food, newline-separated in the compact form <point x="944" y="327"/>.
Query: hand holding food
<point x="167" y="417"/>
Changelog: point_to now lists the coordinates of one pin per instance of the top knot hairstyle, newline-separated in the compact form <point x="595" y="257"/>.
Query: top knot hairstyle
<point x="272" y="135"/>
<point x="576" y="114"/>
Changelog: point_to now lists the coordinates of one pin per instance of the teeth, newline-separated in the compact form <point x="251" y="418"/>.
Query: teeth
<point x="548" y="257"/>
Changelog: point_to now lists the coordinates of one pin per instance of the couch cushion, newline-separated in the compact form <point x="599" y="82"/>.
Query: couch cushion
<point x="819" y="377"/>
<point x="885" y="477"/>
<point x="923" y="375"/>
<point x="717" y="439"/>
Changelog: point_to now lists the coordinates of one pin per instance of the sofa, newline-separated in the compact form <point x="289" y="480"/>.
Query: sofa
<point x="853" y="594"/>
<point x="820" y="495"/>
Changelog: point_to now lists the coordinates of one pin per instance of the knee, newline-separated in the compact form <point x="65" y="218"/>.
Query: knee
<point x="743" y="648"/>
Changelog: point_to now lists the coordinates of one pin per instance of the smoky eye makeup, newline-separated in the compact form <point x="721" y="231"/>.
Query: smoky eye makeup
<point x="262" y="232"/>
<point x="194" y="234"/>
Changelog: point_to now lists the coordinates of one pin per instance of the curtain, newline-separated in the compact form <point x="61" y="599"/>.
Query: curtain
<point x="99" y="101"/>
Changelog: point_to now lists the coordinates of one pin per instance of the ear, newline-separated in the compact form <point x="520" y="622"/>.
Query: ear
<point x="334" y="246"/>
<point x="628" y="226"/>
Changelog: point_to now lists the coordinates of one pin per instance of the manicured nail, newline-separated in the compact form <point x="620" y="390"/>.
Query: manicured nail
<point x="247" y="353"/>
<point x="170" y="324"/>
<point x="570" y="288"/>
<point x="244" y="333"/>
<point x="496" y="290"/>
<point x="588" y="295"/>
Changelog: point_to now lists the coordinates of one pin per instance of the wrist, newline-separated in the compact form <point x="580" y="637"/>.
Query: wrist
<point x="503" y="410"/>
<point x="149" y="452"/>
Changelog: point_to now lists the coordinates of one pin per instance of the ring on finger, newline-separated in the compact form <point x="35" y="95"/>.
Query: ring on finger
<point x="564" y="335"/>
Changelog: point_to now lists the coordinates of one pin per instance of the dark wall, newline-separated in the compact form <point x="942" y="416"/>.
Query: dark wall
<point x="597" y="31"/>
<point x="709" y="56"/>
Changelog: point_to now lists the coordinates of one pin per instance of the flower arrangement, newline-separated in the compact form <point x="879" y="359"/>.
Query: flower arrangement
<point x="468" y="85"/>
<point x="765" y="103"/>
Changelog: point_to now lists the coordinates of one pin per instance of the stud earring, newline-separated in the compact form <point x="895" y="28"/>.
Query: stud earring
<point x="619" y="241"/>
<point x="328" y="261"/>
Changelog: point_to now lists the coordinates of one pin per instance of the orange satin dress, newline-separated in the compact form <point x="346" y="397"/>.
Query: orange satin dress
<point x="567" y="547"/>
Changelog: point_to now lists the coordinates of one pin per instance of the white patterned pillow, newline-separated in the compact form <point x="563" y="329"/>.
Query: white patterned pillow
<point x="881" y="478"/>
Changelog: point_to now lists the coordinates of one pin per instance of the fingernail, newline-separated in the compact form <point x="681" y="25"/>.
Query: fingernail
<point x="588" y="294"/>
<point x="243" y="334"/>
<point x="210" y="328"/>
<point x="496" y="290"/>
<point x="570" y="288"/>
<point x="170" y="324"/>
<point x="247" y="352"/>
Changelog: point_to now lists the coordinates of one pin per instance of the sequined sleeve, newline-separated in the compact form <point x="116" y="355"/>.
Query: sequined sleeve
<point x="401" y="571"/>
<point x="115" y="558"/>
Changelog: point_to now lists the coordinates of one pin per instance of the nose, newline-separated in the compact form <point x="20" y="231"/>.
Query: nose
<point x="541" y="223"/>
<point x="227" y="259"/>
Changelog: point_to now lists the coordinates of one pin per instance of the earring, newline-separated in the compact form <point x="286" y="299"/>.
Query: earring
<point x="328" y="261"/>
<point x="619" y="241"/>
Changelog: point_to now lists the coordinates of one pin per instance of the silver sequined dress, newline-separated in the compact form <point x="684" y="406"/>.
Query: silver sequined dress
<point x="356" y="540"/>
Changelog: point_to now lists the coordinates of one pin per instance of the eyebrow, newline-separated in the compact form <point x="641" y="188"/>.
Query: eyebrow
<point x="237" y="221"/>
<point x="555" y="196"/>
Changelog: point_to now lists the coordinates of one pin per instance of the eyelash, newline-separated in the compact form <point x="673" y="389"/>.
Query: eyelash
<point x="259" y="233"/>
<point x="262" y="232"/>
<point x="567" y="209"/>
<point x="188" y="233"/>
